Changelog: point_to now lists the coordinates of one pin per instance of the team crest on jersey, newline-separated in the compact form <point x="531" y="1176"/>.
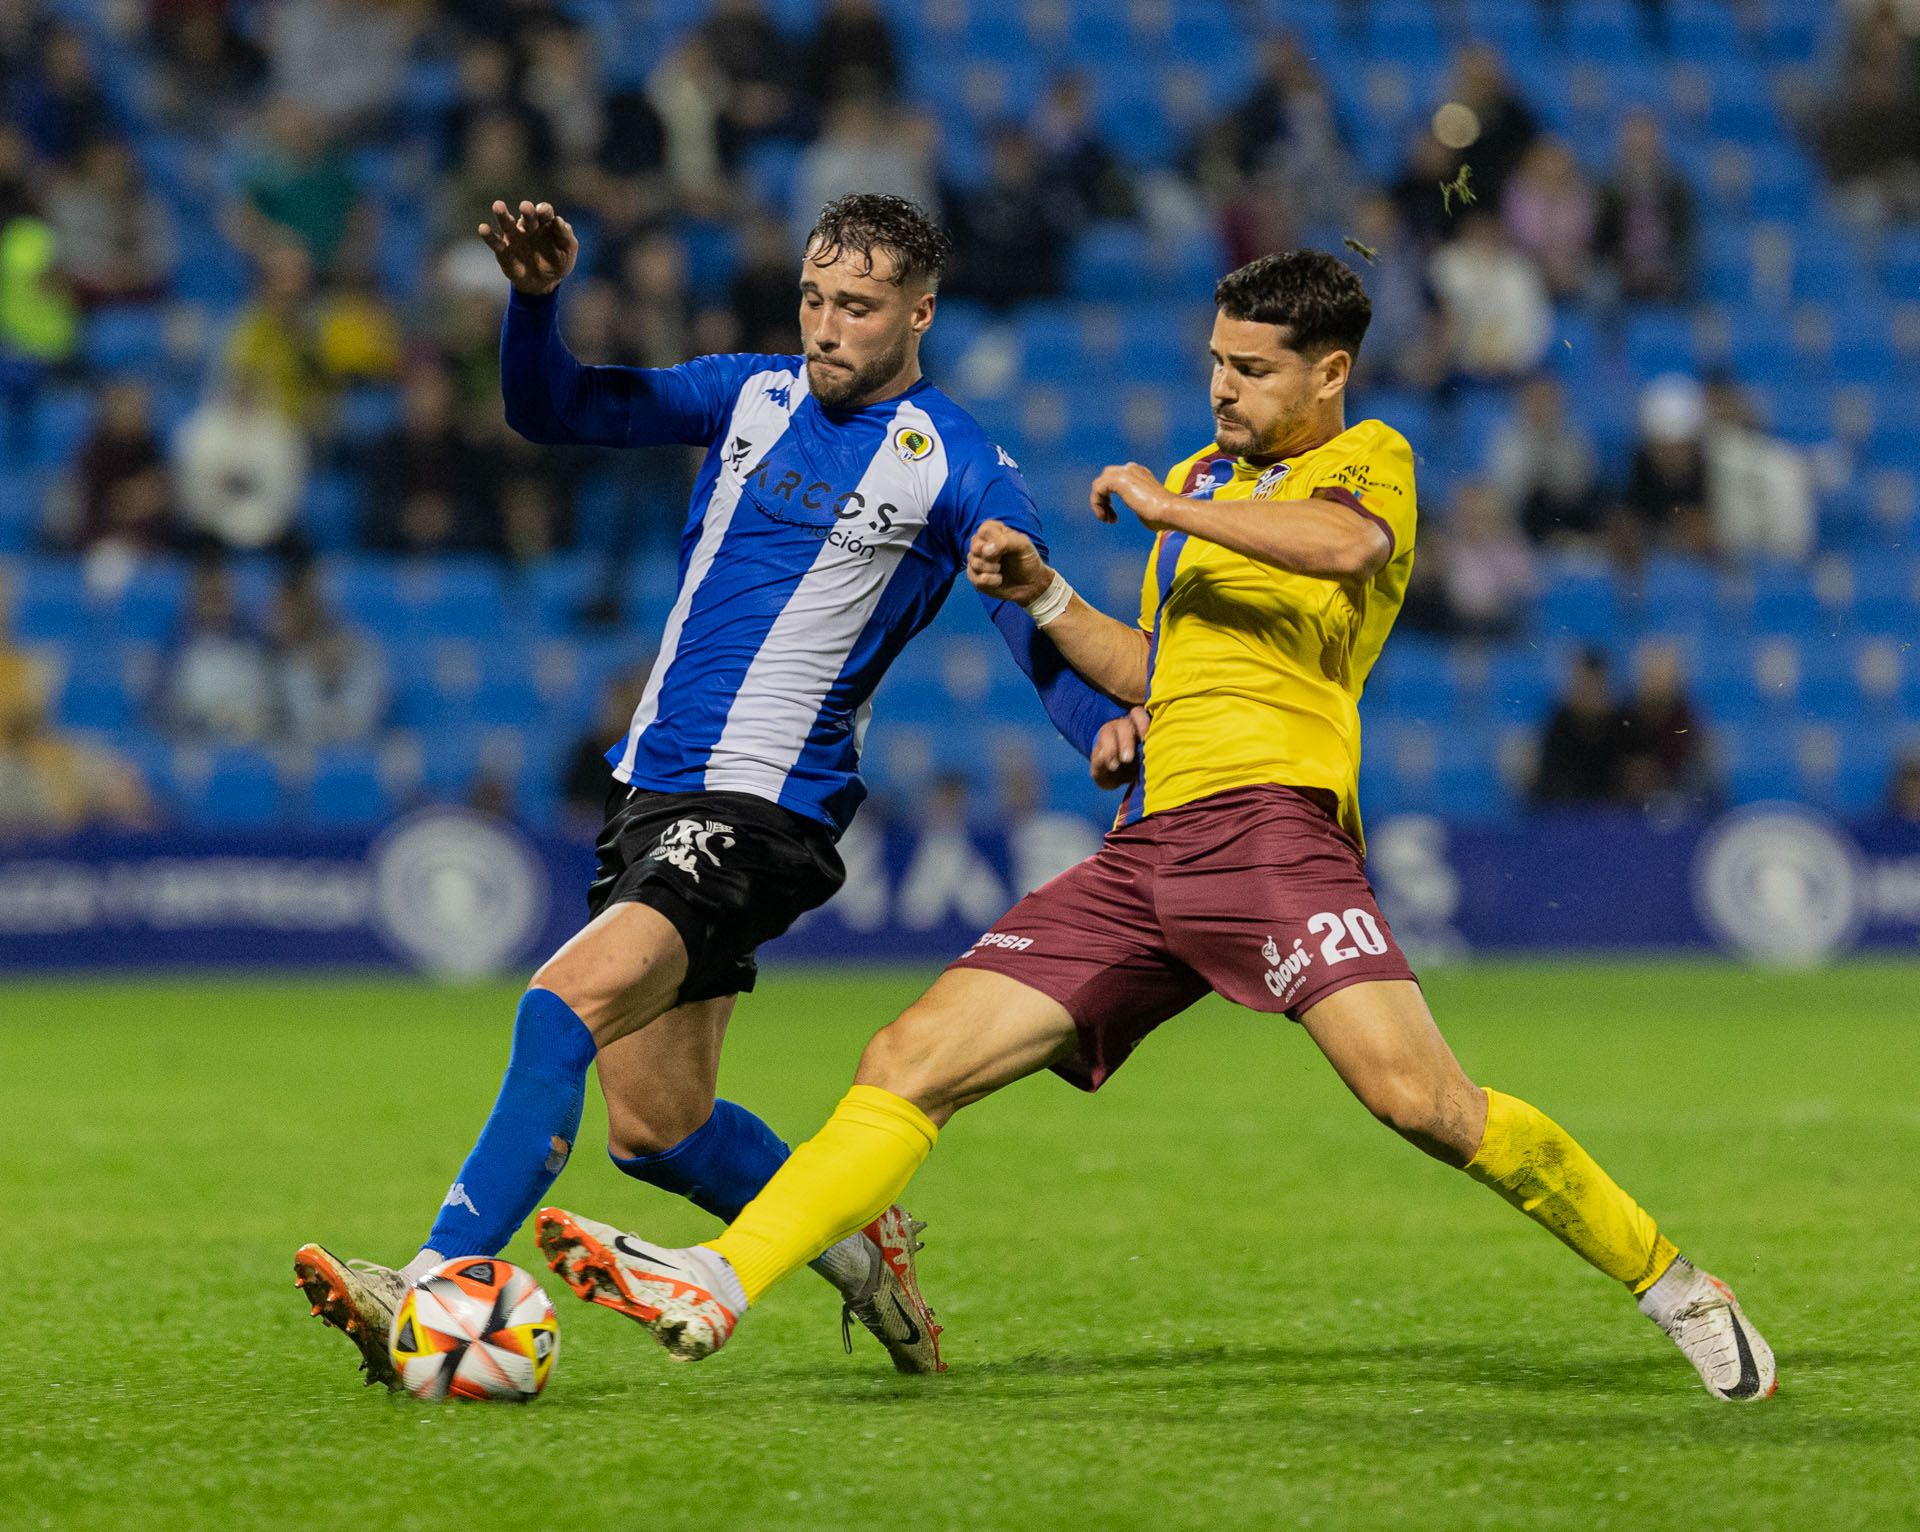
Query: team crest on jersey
<point x="911" y="445"/>
<point x="1270" y="481"/>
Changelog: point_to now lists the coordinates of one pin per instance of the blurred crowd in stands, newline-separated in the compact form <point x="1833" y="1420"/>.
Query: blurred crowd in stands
<point x="1489" y="224"/>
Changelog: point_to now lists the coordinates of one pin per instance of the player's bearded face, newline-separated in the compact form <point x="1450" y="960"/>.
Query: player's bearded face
<point x="1265" y="394"/>
<point x="859" y="329"/>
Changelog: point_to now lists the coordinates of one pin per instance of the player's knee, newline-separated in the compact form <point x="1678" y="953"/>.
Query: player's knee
<point x="1421" y="1110"/>
<point x="898" y="1059"/>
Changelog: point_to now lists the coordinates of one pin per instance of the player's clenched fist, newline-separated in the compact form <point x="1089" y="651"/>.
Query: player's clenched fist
<point x="535" y="247"/>
<point x="1140" y="491"/>
<point x="1115" y="759"/>
<point x="1002" y="562"/>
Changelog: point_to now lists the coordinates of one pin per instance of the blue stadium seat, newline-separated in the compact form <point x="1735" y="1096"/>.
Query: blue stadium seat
<point x="1604" y="32"/>
<point x="239" y="790"/>
<point x="1513" y="25"/>
<point x="50" y="602"/>
<point x="1579" y="605"/>
<point x="1702" y="29"/>
<point x="348" y="789"/>
<point x="1110" y="263"/>
<point x="127" y="339"/>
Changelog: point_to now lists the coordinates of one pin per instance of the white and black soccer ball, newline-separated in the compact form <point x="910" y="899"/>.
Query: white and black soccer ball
<point x="475" y="1327"/>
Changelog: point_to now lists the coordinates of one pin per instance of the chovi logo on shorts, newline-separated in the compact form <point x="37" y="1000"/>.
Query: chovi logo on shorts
<point x="1284" y="968"/>
<point x="1780" y="885"/>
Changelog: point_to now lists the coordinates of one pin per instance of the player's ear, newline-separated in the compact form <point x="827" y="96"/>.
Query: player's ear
<point x="923" y="312"/>
<point x="1332" y="373"/>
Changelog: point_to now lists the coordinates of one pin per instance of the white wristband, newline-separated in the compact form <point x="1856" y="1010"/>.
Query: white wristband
<point x="1051" y="602"/>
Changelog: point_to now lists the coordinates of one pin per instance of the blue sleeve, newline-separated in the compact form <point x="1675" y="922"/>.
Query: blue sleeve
<point x="551" y="398"/>
<point x="998" y="493"/>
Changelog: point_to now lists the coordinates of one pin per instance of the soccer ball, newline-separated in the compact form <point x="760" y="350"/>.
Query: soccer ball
<point x="475" y="1328"/>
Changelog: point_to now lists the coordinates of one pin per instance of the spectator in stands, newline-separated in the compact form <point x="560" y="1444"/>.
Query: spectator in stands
<point x="1075" y="159"/>
<point x="656" y="305"/>
<point x="1488" y="575"/>
<point x="494" y="160"/>
<point x="430" y="486"/>
<point x="240" y="469"/>
<point x="1041" y="844"/>
<point x="689" y="94"/>
<point x="273" y="347"/>
<point x="1426" y="214"/>
<point x="300" y="189"/>
<point x="51" y="784"/>
<point x="122" y="498"/>
<point x="587" y="776"/>
<point x="1251" y="130"/>
<point x="39" y="327"/>
<point x="334" y="687"/>
<point x="1498" y="316"/>
<point x="1759" y="490"/>
<point x="1868" y="132"/>
<point x="357" y="337"/>
<point x="761" y="67"/>
<point x="1646" y="225"/>
<point x="116" y="237"/>
<point x="851" y="53"/>
<point x="344" y="61"/>
<point x="1551" y="213"/>
<point x="1663" y="750"/>
<point x="1903" y="788"/>
<point x="865" y="146"/>
<point x="1667" y="486"/>
<point x="535" y="519"/>
<point x="1544" y="464"/>
<point x="562" y="84"/>
<point x="1581" y="758"/>
<point x="762" y="296"/>
<point x="485" y="72"/>
<point x="1011" y="234"/>
<point x="220" y="686"/>
<point x="208" y="68"/>
<point x="59" y="103"/>
<point x="1507" y="125"/>
<point x="1405" y="343"/>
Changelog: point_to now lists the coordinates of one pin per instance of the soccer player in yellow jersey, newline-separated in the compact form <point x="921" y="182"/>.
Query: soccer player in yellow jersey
<point x="1281" y="559"/>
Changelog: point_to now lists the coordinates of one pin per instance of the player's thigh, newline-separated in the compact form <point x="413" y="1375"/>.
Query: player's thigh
<point x="968" y="1036"/>
<point x="619" y="971"/>
<point x="659" y="1082"/>
<point x="1382" y="1041"/>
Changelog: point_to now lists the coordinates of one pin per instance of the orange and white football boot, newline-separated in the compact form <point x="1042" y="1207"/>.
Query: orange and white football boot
<point x="688" y="1300"/>
<point x="358" y="1299"/>
<point x="889" y="1303"/>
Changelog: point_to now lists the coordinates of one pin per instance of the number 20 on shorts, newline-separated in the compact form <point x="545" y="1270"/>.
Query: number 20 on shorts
<point x="1348" y="935"/>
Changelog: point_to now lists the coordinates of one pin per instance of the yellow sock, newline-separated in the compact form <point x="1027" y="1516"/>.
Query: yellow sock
<point x="1534" y="1163"/>
<point x="839" y="1180"/>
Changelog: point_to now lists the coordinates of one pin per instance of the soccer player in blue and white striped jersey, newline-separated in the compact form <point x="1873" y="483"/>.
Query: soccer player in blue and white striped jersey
<point x="832" y="513"/>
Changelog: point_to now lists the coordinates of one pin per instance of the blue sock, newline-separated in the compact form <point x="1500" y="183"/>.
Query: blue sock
<point x="528" y="1137"/>
<point x="720" y="1166"/>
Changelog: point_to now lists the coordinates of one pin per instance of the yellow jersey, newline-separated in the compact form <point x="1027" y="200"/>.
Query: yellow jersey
<point x="1254" y="674"/>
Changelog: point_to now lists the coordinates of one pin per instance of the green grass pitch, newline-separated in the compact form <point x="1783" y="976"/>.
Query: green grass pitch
<point x="1217" y="1295"/>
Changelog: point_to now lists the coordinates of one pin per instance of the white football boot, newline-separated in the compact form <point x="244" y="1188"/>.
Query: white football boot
<point x="688" y="1300"/>
<point x="1703" y="1318"/>
<point x="359" y="1299"/>
<point x="888" y="1300"/>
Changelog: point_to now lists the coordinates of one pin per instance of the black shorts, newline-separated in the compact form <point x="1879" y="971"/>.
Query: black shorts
<point x="728" y="869"/>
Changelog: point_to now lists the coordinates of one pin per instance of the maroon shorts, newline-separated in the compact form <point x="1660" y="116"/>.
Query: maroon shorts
<point x="1255" y="893"/>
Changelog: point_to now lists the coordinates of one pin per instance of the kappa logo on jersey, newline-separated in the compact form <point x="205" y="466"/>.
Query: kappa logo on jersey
<point x="1285" y="968"/>
<point x="782" y="395"/>
<point x="1005" y="461"/>
<point x="1270" y="480"/>
<point x="458" y="1198"/>
<point x="687" y="840"/>
<point x="911" y="445"/>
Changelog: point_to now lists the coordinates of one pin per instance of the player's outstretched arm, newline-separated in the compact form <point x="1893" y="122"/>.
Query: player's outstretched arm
<point x="1004" y="563"/>
<point x="1321" y="538"/>
<point x="549" y="396"/>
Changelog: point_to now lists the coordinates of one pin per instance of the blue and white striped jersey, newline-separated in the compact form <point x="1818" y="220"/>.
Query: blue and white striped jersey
<point x="817" y="544"/>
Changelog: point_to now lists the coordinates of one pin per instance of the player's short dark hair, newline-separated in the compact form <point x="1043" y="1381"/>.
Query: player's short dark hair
<point x="866" y="222"/>
<point x="1316" y="296"/>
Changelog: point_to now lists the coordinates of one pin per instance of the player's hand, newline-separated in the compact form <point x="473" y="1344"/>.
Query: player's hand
<point x="1140" y="491"/>
<point x="1116" y="749"/>
<point x="1002" y="562"/>
<point x="535" y="247"/>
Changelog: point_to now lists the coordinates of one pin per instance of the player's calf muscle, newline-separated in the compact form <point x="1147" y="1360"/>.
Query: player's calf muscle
<point x="619" y="973"/>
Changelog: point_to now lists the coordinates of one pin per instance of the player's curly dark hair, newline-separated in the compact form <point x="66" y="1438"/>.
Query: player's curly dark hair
<point x="868" y="221"/>
<point x="1315" y="295"/>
